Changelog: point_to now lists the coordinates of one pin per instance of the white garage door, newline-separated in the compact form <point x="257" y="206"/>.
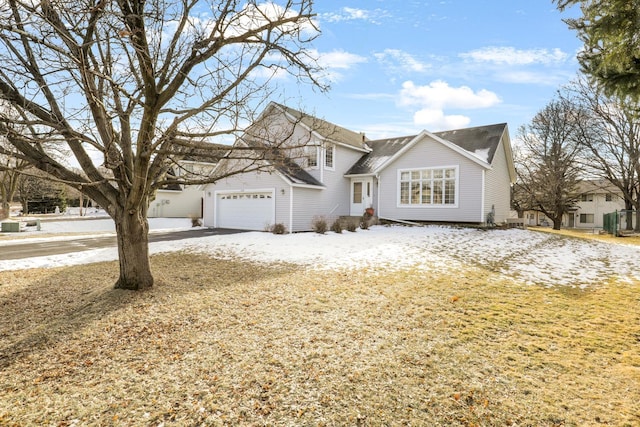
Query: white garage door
<point x="245" y="211"/>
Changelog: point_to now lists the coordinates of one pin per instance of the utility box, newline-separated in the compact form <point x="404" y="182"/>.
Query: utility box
<point x="10" y="227"/>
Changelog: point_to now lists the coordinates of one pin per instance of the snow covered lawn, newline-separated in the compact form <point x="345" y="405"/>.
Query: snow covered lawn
<point x="528" y="256"/>
<point x="533" y="257"/>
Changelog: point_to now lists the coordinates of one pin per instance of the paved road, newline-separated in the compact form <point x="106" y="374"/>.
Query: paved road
<point x="25" y="249"/>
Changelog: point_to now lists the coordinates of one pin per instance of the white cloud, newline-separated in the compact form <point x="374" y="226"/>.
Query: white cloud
<point x="250" y="18"/>
<point x="336" y="60"/>
<point x="433" y="99"/>
<point x="531" y="77"/>
<point x="353" y="14"/>
<point x="439" y="95"/>
<point x="339" y="59"/>
<point x="255" y="16"/>
<point x="266" y="73"/>
<point x="435" y="120"/>
<point x="513" y="56"/>
<point x="398" y="60"/>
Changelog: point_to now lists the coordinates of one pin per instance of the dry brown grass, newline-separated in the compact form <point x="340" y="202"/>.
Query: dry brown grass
<point x="233" y="343"/>
<point x="589" y="234"/>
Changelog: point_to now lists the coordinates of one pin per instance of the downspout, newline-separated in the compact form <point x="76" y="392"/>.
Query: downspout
<point x="205" y="211"/>
<point x="377" y="194"/>
<point x="321" y="155"/>
<point x="482" y="219"/>
<point x="290" y="209"/>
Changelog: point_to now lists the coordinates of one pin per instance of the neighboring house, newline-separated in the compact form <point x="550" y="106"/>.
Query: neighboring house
<point x="458" y="176"/>
<point x="597" y="197"/>
<point x="182" y="201"/>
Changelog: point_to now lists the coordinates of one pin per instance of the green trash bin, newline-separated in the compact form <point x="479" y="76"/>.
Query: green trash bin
<point x="10" y="227"/>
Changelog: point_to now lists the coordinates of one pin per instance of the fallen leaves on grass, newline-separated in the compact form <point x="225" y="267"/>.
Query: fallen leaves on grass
<point x="234" y="343"/>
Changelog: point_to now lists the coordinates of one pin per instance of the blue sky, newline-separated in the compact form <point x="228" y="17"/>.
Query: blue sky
<point x="400" y="66"/>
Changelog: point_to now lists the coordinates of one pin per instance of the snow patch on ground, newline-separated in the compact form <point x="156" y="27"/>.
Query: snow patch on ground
<point x="529" y="256"/>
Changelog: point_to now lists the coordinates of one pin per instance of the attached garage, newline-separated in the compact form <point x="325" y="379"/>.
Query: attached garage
<point x="253" y="210"/>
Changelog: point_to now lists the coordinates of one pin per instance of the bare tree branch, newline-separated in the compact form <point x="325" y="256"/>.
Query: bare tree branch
<point x="135" y="86"/>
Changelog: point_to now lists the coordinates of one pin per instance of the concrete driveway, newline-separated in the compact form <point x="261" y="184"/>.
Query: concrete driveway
<point x="24" y="248"/>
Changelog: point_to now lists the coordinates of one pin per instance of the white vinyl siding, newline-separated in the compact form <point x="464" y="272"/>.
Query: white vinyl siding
<point x="248" y="183"/>
<point x="590" y="213"/>
<point x="307" y="204"/>
<point x="497" y="187"/>
<point x="430" y="154"/>
<point x="177" y="204"/>
<point x="184" y="203"/>
<point x="303" y="203"/>
<point x="331" y="202"/>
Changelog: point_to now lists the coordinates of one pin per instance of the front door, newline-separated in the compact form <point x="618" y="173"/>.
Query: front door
<point x="361" y="195"/>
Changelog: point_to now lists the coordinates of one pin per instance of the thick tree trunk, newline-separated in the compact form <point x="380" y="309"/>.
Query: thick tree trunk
<point x="5" y="210"/>
<point x="132" y="230"/>
<point x="628" y="206"/>
<point x="557" y="223"/>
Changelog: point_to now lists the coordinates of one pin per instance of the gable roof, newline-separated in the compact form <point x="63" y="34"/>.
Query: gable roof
<point x="284" y="165"/>
<point x="325" y="129"/>
<point x="481" y="141"/>
<point x="478" y="143"/>
<point x="381" y="151"/>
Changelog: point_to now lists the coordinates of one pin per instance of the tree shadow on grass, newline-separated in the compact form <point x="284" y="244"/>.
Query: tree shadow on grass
<point x="41" y="308"/>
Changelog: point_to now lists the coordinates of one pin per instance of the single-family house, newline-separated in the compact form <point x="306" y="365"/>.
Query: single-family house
<point x="179" y="200"/>
<point x="458" y="176"/>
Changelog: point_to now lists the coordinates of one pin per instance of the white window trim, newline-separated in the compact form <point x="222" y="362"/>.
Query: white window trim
<point x="455" y="205"/>
<point x="331" y="147"/>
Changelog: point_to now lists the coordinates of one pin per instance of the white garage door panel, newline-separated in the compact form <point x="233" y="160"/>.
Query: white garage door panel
<point x="245" y="211"/>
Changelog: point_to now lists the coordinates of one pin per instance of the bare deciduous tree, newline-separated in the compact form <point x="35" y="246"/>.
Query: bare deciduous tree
<point x="10" y="175"/>
<point x="611" y="139"/>
<point x="548" y="170"/>
<point x="35" y="186"/>
<point x="11" y="168"/>
<point x="521" y="200"/>
<point x="136" y="85"/>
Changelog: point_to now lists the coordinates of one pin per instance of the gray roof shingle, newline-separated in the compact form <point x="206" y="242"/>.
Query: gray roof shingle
<point x="284" y="164"/>
<point x="381" y="151"/>
<point x="481" y="141"/>
<point x="326" y="129"/>
<point x="294" y="173"/>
